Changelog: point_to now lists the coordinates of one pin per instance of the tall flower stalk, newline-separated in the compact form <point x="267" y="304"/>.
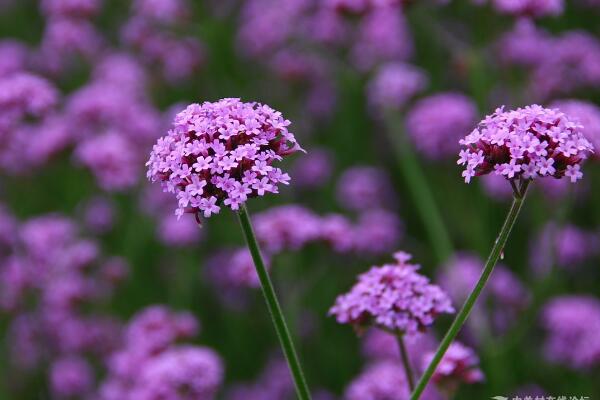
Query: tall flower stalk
<point x="520" y="145"/>
<point x="283" y="333"/>
<point x="410" y="377"/>
<point x="463" y="314"/>
<point x="219" y="155"/>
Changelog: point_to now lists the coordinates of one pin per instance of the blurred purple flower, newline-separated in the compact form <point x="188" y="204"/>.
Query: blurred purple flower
<point x="392" y="297"/>
<point x="286" y="228"/>
<point x="122" y="70"/>
<point x="168" y="12"/>
<point x="274" y="383"/>
<point x="180" y="373"/>
<point x="150" y="364"/>
<point x="572" y="323"/>
<point x="565" y="246"/>
<point x="14" y="56"/>
<point x="436" y="123"/>
<point x="112" y="159"/>
<point x="384" y="380"/>
<point x="178" y="232"/>
<point x="24" y="94"/>
<point x="71" y="376"/>
<point x="383" y="36"/>
<point x="99" y="214"/>
<point x="394" y="84"/>
<point x="313" y="170"/>
<point x="381" y="345"/>
<point x="363" y="188"/>
<point x="505" y="292"/>
<point x="65" y="40"/>
<point x="524" y="45"/>
<point x="70" y="8"/>
<point x="532" y="8"/>
<point x="571" y="63"/>
<point x="377" y="232"/>
<point x="459" y="365"/>
<point x="588" y="114"/>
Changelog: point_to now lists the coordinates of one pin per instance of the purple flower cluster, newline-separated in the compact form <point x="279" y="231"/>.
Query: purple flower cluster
<point x="525" y="143"/>
<point x="393" y="297"/>
<point x="220" y="154"/>
<point x="151" y="365"/>
<point x="459" y="364"/>
<point x="436" y="123"/>
<point x="572" y="323"/>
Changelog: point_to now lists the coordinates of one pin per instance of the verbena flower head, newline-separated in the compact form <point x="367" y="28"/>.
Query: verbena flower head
<point x="393" y="297"/>
<point x="459" y="364"/>
<point x="221" y="154"/>
<point x="525" y="143"/>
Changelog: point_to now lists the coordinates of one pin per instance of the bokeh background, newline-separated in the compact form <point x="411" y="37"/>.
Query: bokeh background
<point x="94" y="262"/>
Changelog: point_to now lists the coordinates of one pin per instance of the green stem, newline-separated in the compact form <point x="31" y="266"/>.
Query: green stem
<point x="420" y="192"/>
<point x="285" y="339"/>
<point x="462" y="315"/>
<point x="406" y="362"/>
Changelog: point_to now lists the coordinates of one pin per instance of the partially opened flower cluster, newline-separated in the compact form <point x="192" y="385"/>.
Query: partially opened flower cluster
<point x="393" y="297"/>
<point x="220" y="154"/>
<point x="525" y="143"/>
